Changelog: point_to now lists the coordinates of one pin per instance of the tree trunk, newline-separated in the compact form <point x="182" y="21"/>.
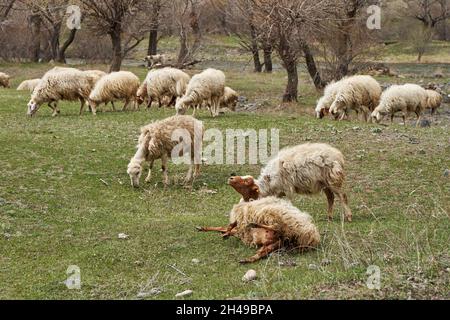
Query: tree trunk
<point x="153" y="42"/>
<point x="268" y="65"/>
<point x="183" y="52"/>
<point x="54" y="41"/>
<point x="291" y="93"/>
<point x="35" y="24"/>
<point x="66" y="45"/>
<point x="312" y="67"/>
<point x="117" y="56"/>
<point x="255" y="49"/>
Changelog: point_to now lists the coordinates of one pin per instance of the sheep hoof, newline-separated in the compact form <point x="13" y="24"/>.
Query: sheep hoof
<point x="200" y="229"/>
<point x="245" y="262"/>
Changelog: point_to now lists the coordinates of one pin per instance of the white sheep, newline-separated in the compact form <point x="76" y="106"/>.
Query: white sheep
<point x="325" y="102"/>
<point x="60" y="84"/>
<point x="229" y="99"/>
<point x="304" y="169"/>
<point x="359" y="93"/>
<point x="401" y="98"/>
<point x="157" y="59"/>
<point x="157" y="141"/>
<point x="204" y="88"/>
<point x="166" y="82"/>
<point x="122" y="85"/>
<point x="28" y="85"/>
<point x="270" y="224"/>
<point x="434" y="100"/>
<point x="4" y="80"/>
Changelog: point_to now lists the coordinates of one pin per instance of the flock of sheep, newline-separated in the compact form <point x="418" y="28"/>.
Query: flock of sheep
<point x="262" y="218"/>
<point x="363" y="94"/>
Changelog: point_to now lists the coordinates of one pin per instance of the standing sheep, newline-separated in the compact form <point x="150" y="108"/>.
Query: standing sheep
<point x="360" y="93"/>
<point x="270" y="224"/>
<point x="28" y="85"/>
<point x="401" y="98"/>
<point x="4" y="80"/>
<point x="434" y="100"/>
<point x="122" y="85"/>
<point x="325" y="102"/>
<point x="207" y="87"/>
<point x="60" y="84"/>
<point x="159" y="83"/>
<point x="157" y="142"/>
<point x="304" y="169"/>
<point x="157" y="59"/>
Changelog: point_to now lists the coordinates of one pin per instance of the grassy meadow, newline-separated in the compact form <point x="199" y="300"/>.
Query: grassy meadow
<point x="65" y="197"/>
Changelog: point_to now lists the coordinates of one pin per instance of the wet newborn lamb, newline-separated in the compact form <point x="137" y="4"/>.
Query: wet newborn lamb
<point x="270" y="224"/>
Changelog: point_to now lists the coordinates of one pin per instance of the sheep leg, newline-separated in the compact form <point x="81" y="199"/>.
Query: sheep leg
<point x="212" y="229"/>
<point x="94" y="109"/>
<point x="54" y="108"/>
<point x="165" y="161"/>
<point x="125" y="106"/>
<point x="113" y="106"/>
<point x="196" y="170"/>
<point x="263" y="252"/>
<point x="149" y="104"/>
<point x="330" y="197"/>
<point x="82" y="106"/>
<point x="419" y="118"/>
<point x="173" y="101"/>
<point x="149" y="176"/>
<point x="347" y="210"/>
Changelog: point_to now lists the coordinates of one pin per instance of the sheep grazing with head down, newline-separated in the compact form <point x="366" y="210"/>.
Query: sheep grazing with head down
<point x="229" y="99"/>
<point x="325" y="102"/>
<point x="122" y="85"/>
<point x="401" y="98"/>
<point x="28" y="85"/>
<point x="358" y="93"/>
<point x="4" y="80"/>
<point x="270" y="224"/>
<point x="166" y="82"/>
<point x="204" y="88"/>
<point x="60" y="84"/>
<point x="159" y="139"/>
<point x="434" y="100"/>
<point x="304" y="169"/>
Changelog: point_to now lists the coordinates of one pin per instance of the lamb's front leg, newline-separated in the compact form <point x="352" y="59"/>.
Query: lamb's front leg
<point x="263" y="252"/>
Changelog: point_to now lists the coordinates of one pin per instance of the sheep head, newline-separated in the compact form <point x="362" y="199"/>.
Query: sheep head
<point x="134" y="171"/>
<point x="377" y="115"/>
<point x="33" y="107"/>
<point x="245" y="186"/>
<point x="180" y="106"/>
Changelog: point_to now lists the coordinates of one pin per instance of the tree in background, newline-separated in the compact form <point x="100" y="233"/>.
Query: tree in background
<point x="119" y="19"/>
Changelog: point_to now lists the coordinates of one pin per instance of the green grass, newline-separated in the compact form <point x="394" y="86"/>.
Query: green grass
<point x="56" y="210"/>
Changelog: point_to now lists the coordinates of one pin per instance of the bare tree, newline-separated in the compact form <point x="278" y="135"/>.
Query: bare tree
<point x="116" y="18"/>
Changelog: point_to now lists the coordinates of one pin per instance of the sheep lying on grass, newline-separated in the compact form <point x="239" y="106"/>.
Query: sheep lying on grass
<point x="204" y="88"/>
<point x="60" y="84"/>
<point x="28" y="85"/>
<point x="4" y="80"/>
<point x="270" y="224"/>
<point x="359" y="93"/>
<point x="156" y="142"/>
<point x="401" y="98"/>
<point x="166" y="82"/>
<point x="434" y="100"/>
<point x="122" y="85"/>
<point x="304" y="169"/>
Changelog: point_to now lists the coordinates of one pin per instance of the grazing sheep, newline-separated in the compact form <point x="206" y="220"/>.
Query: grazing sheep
<point x="360" y="93"/>
<point x="157" y="59"/>
<point x="325" y="102"/>
<point x="434" y="100"/>
<point x="156" y="142"/>
<point x="304" y="169"/>
<point x="207" y="87"/>
<point x="94" y="77"/>
<point x="229" y="99"/>
<point x="270" y="224"/>
<point x="28" y="85"/>
<point x="401" y="98"/>
<point x="60" y="84"/>
<point x="164" y="82"/>
<point x="122" y="85"/>
<point x="4" y="80"/>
